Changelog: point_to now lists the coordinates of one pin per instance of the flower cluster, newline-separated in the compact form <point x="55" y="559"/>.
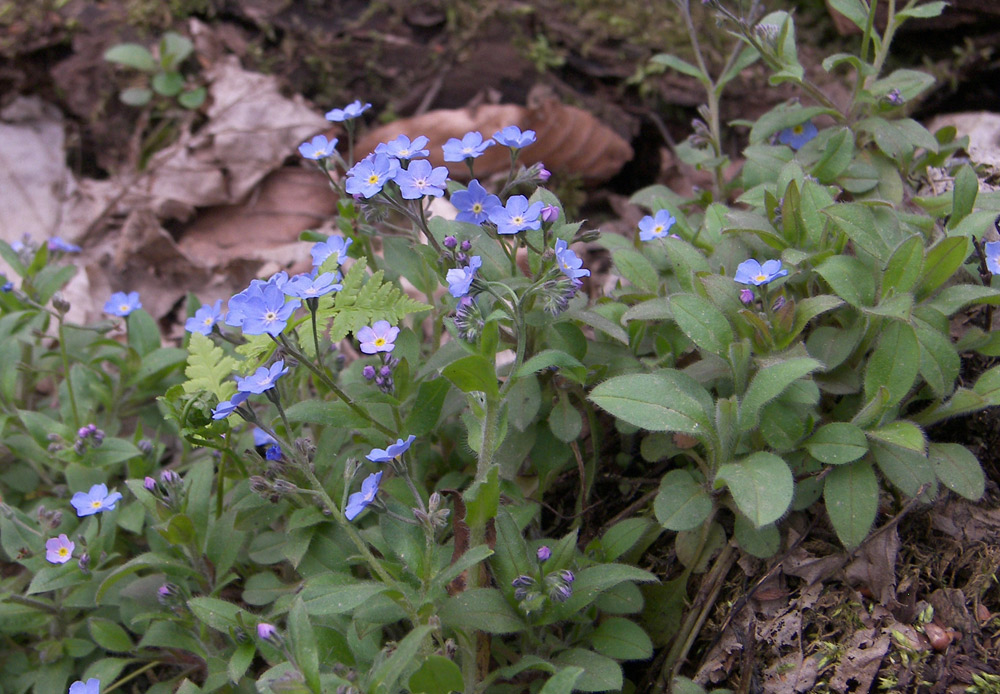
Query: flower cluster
<point x="88" y="434"/>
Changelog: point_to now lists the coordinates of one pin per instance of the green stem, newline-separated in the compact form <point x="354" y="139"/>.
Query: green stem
<point x="69" y="381"/>
<point x="31" y="602"/>
<point x="132" y="675"/>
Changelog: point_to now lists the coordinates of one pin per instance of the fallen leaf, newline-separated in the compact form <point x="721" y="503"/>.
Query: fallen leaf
<point x="860" y="663"/>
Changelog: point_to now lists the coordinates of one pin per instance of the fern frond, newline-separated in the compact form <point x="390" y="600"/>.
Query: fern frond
<point x="255" y="351"/>
<point x="209" y="368"/>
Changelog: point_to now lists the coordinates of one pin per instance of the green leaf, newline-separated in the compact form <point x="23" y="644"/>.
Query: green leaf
<point x="209" y="369"/>
<point x="594" y="580"/>
<point x="943" y="259"/>
<point x="437" y="675"/>
<point x="131" y="55"/>
<point x="851" y="497"/>
<point x="322" y="599"/>
<point x="681" y="503"/>
<point x="771" y="380"/>
<point x="939" y="362"/>
<point x="362" y="303"/>
<point x="853" y="10"/>
<point x="836" y="157"/>
<point x="761" y="485"/>
<point x="780" y="118"/>
<point x="240" y="661"/>
<point x="895" y="362"/>
<point x="331" y="413"/>
<point x="600" y="673"/>
<point x="623" y="536"/>
<point x="621" y="639"/>
<point x="858" y="223"/>
<point x="761" y="542"/>
<point x="666" y="400"/>
<point x="682" y="66"/>
<point x="563" y="681"/>
<point x="958" y="469"/>
<point x="473" y="373"/>
<point x="221" y="615"/>
<point x="908" y="470"/>
<point x="904" y="266"/>
<point x="927" y="11"/>
<point x="963" y="195"/>
<point x="483" y="609"/>
<point x="636" y="268"/>
<point x="902" y="433"/>
<point x="849" y="278"/>
<point x="135" y="96"/>
<point x="303" y="644"/>
<point x="547" y="358"/>
<point x="427" y="406"/>
<point x="386" y="678"/>
<point x="565" y="420"/>
<point x="951" y="299"/>
<point x="109" y="635"/>
<point x="682" y="685"/>
<point x="702" y="322"/>
<point x="167" y="83"/>
<point x="174" y="49"/>
<point x="193" y="98"/>
<point x="837" y="443"/>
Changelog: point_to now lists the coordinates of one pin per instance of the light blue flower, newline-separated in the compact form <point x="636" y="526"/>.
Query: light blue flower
<point x="657" y="226"/>
<point x="568" y="261"/>
<point x="469" y="147"/>
<point x="359" y="501"/>
<point x="797" y="135"/>
<point x="92" y="686"/>
<point x="379" y="337"/>
<point x="352" y="110"/>
<point x="268" y="312"/>
<point x="335" y="245"/>
<point x="512" y="137"/>
<point x="368" y="176"/>
<point x="420" y="179"/>
<point x="992" y="249"/>
<point x="402" y="148"/>
<point x="57" y="244"/>
<point x="227" y="407"/>
<point x="474" y="204"/>
<point x="318" y="148"/>
<point x="95" y="501"/>
<point x="460" y="279"/>
<point x="752" y="272"/>
<point x="262" y="379"/>
<point x="204" y="319"/>
<point x="517" y="216"/>
<point x="309" y="287"/>
<point x="384" y="455"/>
<point x="122" y="304"/>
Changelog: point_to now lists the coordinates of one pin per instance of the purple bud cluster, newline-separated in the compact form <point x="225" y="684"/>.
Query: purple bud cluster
<point x="88" y="434"/>
<point x="469" y="320"/>
<point x="381" y="376"/>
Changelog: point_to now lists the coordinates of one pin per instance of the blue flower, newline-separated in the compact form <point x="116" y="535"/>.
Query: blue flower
<point x="262" y="438"/>
<point x="273" y="452"/>
<point x="95" y="501"/>
<point x="656" y="227"/>
<point x="227" y="407"/>
<point x="309" y="287"/>
<point x="262" y="379"/>
<point x="122" y="304"/>
<point x="420" y="179"/>
<point x="469" y="147"/>
<point x="204" y="318"/>
<point x="752" y="272"/>
<point x="57" y="244"/>
<point x="367" y="177"/>
<point x="268" y="312"/>
<point x="992" y="249"/>
<point x="352" y="110"/>
<point x="359" y="501"/>
<point x="460" y="279"/>
<point x="512" y="137"/>
<point x="474" y="204"/>
<point x="797" y="135"/>
<point x="402" y="148"/>
<point x="568" y="261"/>
<point x="318" y="148"/>
<point x="517" y="216"/>
<point x="335" y="245"/>
<point x="380" y="455"/>
<point x="92" y="686"/>
<point x="380" y="337"/>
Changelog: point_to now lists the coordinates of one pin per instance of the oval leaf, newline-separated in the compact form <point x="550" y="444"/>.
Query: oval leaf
<point x="761" y="485"/>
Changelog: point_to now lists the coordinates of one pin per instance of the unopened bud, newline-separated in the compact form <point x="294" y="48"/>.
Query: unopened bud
<point x="450" y="242"/>
<point x="59" y="303"/>
<point x="543" y="553"/>
<point x="550" y="213"/>
<point x="746" y="295"/>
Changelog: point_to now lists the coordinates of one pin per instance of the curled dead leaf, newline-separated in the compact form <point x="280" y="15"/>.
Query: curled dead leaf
<point x="939" y="637"/>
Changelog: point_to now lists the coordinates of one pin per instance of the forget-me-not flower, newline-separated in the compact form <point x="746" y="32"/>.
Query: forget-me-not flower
<point x="335" y="245"/>
<point x="992" y="250"/>
<point x="57" y="244"/>
<point x="352" y="110"/>
<point x="122" y="304"/>
<point x="204" y="319"/>
<point x="96" y="500"/>
<point x="262" y="379"/>
<point x="512" y="137"/>
<point x="91" y="686"/>
<point x="227" y="407"/>
<point x="379" y="337"/>
<point x="474" y="204"/>
<point x="359" y="501"/>
<point x="59" y="550"/>
<point x="656" y="226"/>
<point x="368" y="176"/>
<point x="469" y="147"/>
<point x="752" y="272"/>
<point x="384" y="455"/>
<point x="268" y="312"/>
<point x="306" y="286"/>
<point x="403" y="148"/>
<point x="568" y="261"/>
<point x="517" y="216"/>
<point x="460" y="279"/>
<point x="318" y="148"/>
<point x="420" y="179"/>
<point x="797" y="135"/>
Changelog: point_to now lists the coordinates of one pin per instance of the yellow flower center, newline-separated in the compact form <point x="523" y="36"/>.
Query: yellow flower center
<point x="761" y="278"/>
<point x="123" y="307"/>
<point x="270" y="316"/>
<point x="798" y="129"/>
<point x="373" y="179"/>
<point x="95" y="504"/>
<point x="63" y="552"/>
<point x="477" y="207"/>
<point x="517" y="220"/>
<point x="379" y="341"/>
